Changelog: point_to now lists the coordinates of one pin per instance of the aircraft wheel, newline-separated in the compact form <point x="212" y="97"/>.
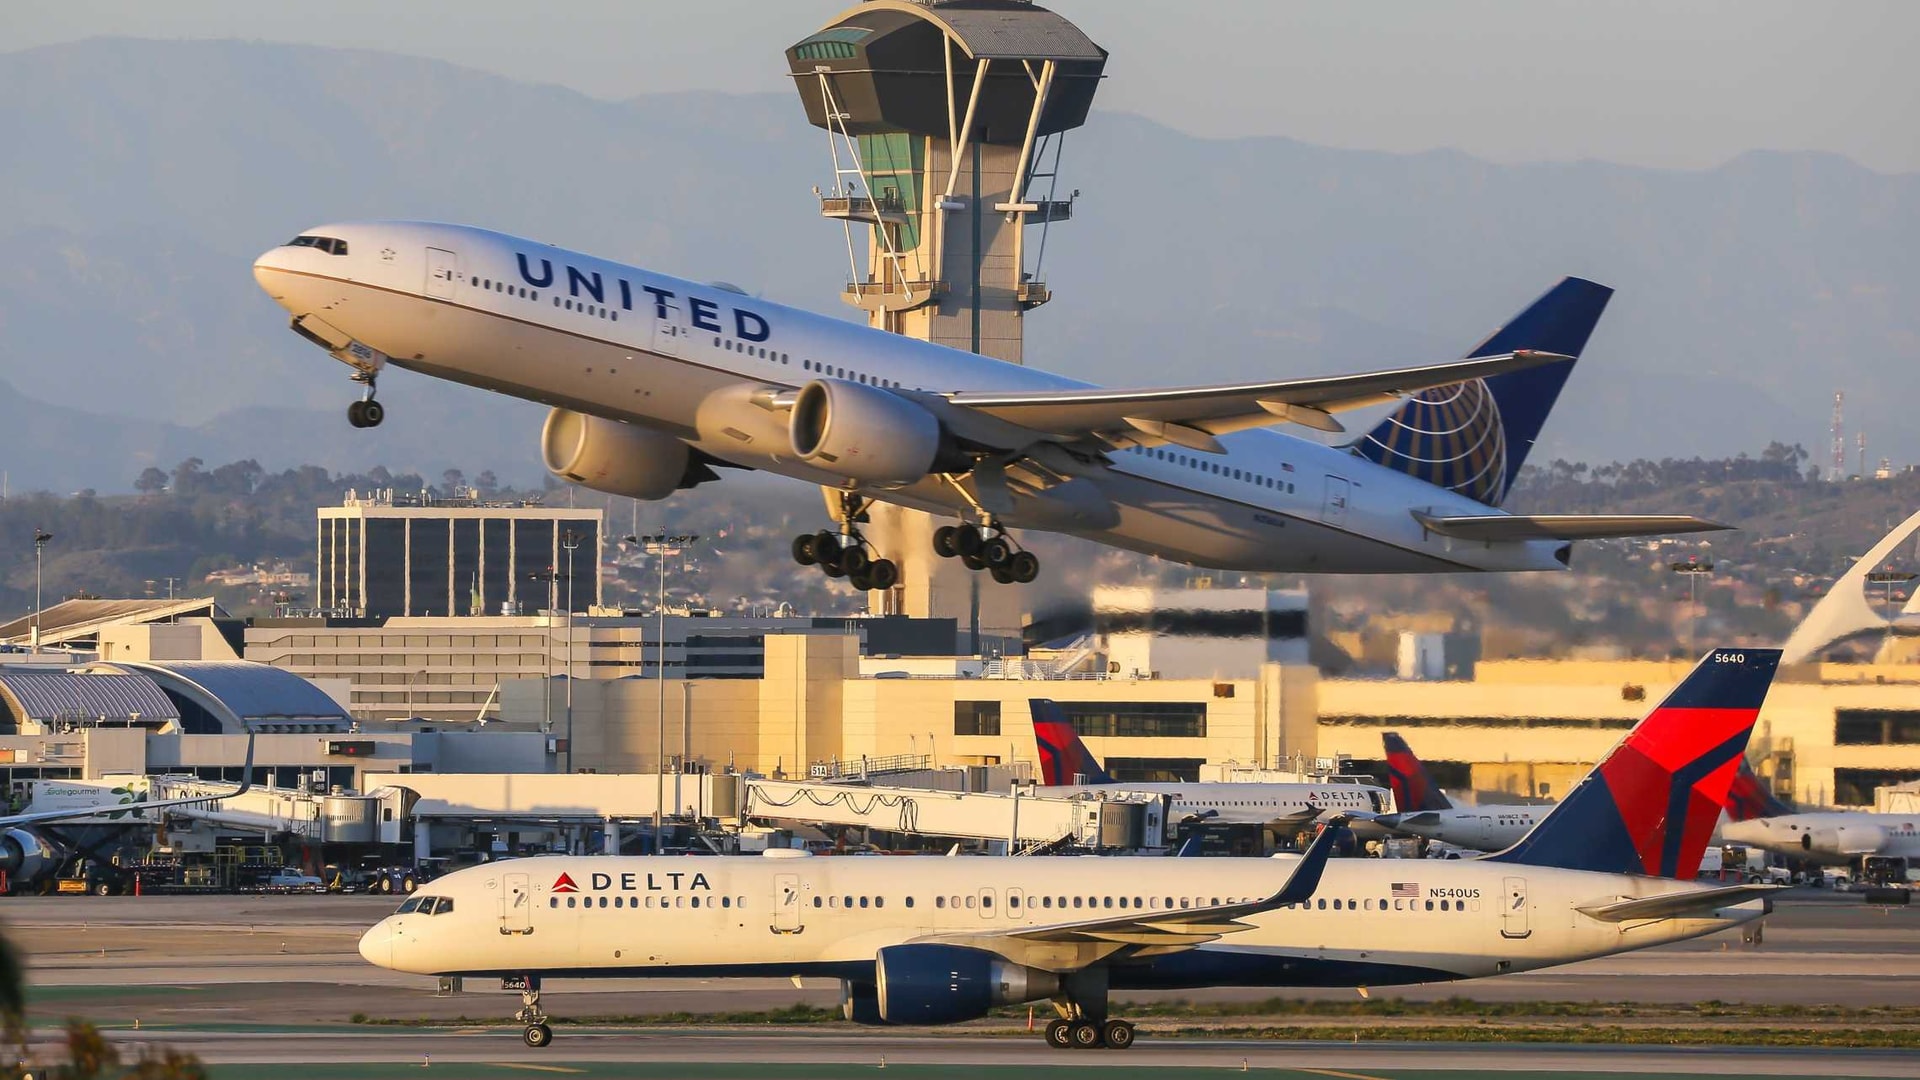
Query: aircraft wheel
<point x="855" y="561"/>
<point x="832" y="568"/>
<point x="826" y="547"/>
<point x="357" y="414"/>
<point x="1117" y="1034"/>
<point x="1057" y="1035"/>
<point x="1024" y="566"/>
<point x="884" y="574"/>
<point x="997" y="551"/>
<point x="943" y="542"/>
<point x="372" y="412"/>
<point x="967" y="541"/>
<point x="1084" y="1034"/>
<point x="1001" y="574"/>
<point x="860" y="581"/>
<point x="537" y="1035"/>
<point x="803" y="549"/>
<point x="973" y="562"/>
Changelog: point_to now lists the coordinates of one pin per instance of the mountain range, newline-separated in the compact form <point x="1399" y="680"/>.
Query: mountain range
<point x="137" y="189"/>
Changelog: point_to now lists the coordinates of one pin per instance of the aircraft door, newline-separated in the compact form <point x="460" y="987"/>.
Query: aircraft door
<point x="786" y="904"/>
<point x="1513" y="908"/>
<point x="669" y="331"/>
<point x="443" y="268"/>
<point x="516" y="905"/>
<point x="1333" y="508"/>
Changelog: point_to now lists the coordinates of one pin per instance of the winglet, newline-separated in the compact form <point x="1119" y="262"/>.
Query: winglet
<point x="1062" y="754"/>
<point x="1313" y="862"/>
<point x="1413" y="787"/>
<point x="1651" y="804"/>
<point x="246" y="771"/>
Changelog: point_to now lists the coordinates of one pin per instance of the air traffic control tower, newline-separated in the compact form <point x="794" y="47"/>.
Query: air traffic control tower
<point x="945" y="122"/>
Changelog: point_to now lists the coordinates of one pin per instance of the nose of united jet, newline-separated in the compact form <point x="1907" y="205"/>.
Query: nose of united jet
<point x="268" y="272"/>
<point x="377" y="944"/>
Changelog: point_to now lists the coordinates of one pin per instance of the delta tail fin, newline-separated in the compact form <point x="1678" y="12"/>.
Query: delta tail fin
<point x="1652" y="803"/>
<point x="1472" y="437"/>
<point x="1413" y="787"/>
<point x="1750" y="798"/>
<point x="1062" y="755"/>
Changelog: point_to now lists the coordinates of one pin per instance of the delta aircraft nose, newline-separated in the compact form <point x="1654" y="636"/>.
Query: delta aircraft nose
<point x="377" y="944"/>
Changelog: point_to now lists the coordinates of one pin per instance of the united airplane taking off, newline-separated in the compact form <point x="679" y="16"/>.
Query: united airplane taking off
<point x="1067" y="766"/>
<point x="655" y="382"/>
<point x="942" y="940"/>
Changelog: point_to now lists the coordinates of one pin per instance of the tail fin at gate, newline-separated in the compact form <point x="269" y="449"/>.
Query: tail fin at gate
<point x="1062" y="755"/>
<point x="1651" y="804"/>
<point x="1751" y="799"/>
<point x="1413" y="787"/>
<point x="1472" y="437"/>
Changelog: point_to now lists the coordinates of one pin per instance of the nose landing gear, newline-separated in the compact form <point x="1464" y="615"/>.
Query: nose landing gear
<point x="537" y="1033"/>
<point x="366" y="412"/>
<point x="987" y="548"/>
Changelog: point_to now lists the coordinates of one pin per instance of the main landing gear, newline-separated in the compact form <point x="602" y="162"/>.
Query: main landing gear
<point x="847" y="553"/>
<point x="366" y="412"/>
<point x="537" y="1033"/>
<point x="1083" y="1023"/>
<point x="987" y="548"/>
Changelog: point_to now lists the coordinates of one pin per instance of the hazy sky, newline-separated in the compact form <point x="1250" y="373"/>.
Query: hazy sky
<point x="1670" y="83"/>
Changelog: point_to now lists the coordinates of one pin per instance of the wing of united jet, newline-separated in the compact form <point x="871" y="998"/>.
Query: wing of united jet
<point x="1191" y="416"/>
<point x="1068" y="946"/>
<point x="50" y="817"/>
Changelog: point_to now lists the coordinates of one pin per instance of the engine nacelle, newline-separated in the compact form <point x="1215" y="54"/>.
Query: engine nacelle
<point x="947" y="984"/>
<point x="25" y="855"/>
<point x="1844" y="840"/>
<point x="619" y="459"/>
<point x="865" y="433"/>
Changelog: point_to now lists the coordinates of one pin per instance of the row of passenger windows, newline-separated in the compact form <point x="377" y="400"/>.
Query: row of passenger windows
<point x="760" y="351"/>
<point x="844" y="373"/>
<point x="520" y="291"/>
<point x="563" y="303"/>
<point x="636" y="902"/>
<point x="1382" y="905"/>
<point x="1191" y="462"/>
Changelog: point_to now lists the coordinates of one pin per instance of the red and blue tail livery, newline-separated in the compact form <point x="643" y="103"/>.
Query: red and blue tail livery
<point x="1413" y="787"/>
<point x="1062" y="755"/>
<point x="1651" y="804"/>
<point x="1750" y="798"/>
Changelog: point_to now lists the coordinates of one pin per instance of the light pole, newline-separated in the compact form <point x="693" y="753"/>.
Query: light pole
<point x="552" y="578"/>
<point x="660" y="545"/>
<point x="40" y="538"/>
<point x="1694" y="568"/>
<point x="571" y="541"/>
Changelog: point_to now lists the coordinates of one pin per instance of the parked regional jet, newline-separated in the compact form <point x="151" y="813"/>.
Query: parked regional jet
<point x="655" y="381"/>
<point x="1067" y="767"/>
<point x="941" y="940"/>
<point x="29" y="852"/>
<point x="1834" y="837"/>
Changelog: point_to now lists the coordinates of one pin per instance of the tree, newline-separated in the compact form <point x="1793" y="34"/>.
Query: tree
<point x="452" y="482"/>
<point x="187" y="476"/>
<point x="151" y="481"/>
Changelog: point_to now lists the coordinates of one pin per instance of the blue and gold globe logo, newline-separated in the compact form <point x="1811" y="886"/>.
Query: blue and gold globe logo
<point x="1449" y="436"/>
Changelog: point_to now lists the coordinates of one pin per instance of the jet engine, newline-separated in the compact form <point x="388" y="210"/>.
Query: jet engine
<point x="860" y="1002"/>
<point x="26" y="855"/>
<point x="946" y="984"/>
<point x="1844" y="840"/>
<point x="865" y="433"/>
<point x="619" y="459"/>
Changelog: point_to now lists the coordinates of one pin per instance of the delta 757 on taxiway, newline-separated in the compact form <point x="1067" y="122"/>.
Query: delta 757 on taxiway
<point x="655" y="382"/>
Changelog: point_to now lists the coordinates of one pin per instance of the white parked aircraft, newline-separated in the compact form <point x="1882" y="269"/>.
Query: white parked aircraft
<point x="939" y="940"/>
<point x="654" y="381"/>
<point x="1834" y="837"/>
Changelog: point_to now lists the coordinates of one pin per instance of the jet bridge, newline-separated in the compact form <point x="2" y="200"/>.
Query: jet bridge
<point x="1096" y="820"/>
<point x="308" y="817"/>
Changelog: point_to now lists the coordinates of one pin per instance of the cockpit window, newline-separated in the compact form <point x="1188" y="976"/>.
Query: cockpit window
<point x="413" y="904"/>
<point x="440" y="905"/>
<point x="330" y="245"/>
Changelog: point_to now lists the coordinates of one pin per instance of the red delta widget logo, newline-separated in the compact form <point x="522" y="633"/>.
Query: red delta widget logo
<point x="564" y="883"/>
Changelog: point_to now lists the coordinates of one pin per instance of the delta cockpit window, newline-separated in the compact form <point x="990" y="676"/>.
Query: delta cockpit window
<point x="329" y="244"/>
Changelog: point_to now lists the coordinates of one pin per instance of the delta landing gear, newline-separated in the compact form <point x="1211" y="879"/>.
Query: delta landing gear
<point x="366" y="412"/>
<point x="847" y="554"/>
<point x="537" y="1033"/>
<point x="989" y="549"/>
<point x="1084" y="1034"/>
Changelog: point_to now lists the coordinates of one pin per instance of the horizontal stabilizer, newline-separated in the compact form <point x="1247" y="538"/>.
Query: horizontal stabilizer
<point x="1677" y="905"/>
<point x="1513" y="528"/>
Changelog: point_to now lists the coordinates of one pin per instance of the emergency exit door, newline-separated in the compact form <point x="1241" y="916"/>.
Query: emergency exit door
<point x="1513" y="909"/>
<point x="443" y="269"/>
<point x="516" y="905"/>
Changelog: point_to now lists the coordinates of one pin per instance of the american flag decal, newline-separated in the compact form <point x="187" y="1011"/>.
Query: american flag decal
<point x="1406" y="890"/>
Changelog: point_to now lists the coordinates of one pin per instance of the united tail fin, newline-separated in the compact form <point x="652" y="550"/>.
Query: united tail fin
<point x="1413" y="787"/>
<point x="1473" y="437"/>
<point x="1062" y="755"/>
<point x="1651" y="804"/>
<point x="1750" y="798"/>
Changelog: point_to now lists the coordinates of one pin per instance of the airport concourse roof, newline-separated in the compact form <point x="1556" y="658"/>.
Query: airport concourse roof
<point x="251" y="691"/>
<point x="71" y="619"/>
<point x="49" y="695"/>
